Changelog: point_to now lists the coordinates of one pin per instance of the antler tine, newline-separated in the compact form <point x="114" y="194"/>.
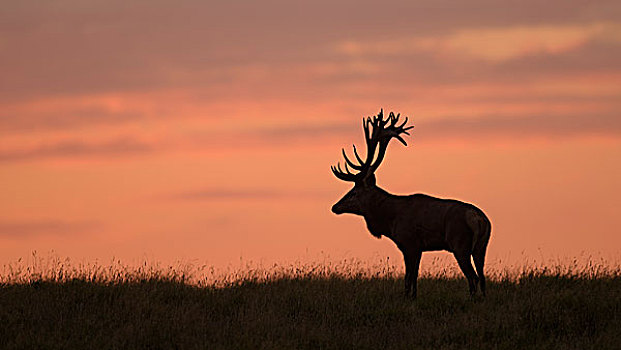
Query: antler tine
<point x="394" y="119"/>
<point x="400" y="129"/>
<point x="373" y="137"/>
<point x="347" y="170"/>
<point x="379" y="119"/>
<point x="360" y="161"/>
<point x="365" y="126"/>
<point x="341" y="176"/>
<point x="345" y="176"/>
<point x="398" y="137"/>
<point x="403" y="124"/>
<point x="351" y="164"/>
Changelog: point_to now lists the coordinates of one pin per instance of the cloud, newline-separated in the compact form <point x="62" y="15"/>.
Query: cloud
<point x="521" y="127"/>
<point x="68" y="48"/>
<point x="301" y="130"/>
<point x="496" y="44"/>
<point x="20" y="229"/>
<point x="72" y="149"/>
<point x="56" y="118"/>
<point x="504" y="44"/>
<point x="219" y="194"/>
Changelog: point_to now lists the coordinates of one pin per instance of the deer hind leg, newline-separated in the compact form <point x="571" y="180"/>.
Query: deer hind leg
<point x="466" y="267"/>
<point x="479" y="248"/>
<point x="479" y="262"/>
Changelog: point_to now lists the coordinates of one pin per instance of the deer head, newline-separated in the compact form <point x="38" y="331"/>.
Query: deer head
<point x="377" y="133"/>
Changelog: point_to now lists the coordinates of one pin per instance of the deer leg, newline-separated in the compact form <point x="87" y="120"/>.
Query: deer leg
<point x="414" y="266"/>
<point x="466" y="267"/>
<point x="406" y="279"/>
<point x="479" y="262"/>
<point x="412" y="263"/>
<point x="408" y="273"/>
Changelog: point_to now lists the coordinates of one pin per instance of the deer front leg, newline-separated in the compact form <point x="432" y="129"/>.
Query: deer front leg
<point x="412" y="264"/>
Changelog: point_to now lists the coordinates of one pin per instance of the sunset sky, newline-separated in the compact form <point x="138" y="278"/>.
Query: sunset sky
<point x="205" y="130"/>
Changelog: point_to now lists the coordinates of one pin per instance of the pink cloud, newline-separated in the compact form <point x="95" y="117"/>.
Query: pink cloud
<point x="493" y="44"/>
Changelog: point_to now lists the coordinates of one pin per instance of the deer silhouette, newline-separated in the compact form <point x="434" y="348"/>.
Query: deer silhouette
<point x="415" y="223"/>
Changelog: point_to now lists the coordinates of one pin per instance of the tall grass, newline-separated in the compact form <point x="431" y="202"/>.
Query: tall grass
<point x="52" y="268"/>
<point x="54" y="303"/>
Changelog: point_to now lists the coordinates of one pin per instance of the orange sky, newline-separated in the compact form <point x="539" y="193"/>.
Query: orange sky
<point x="205" y="131"/>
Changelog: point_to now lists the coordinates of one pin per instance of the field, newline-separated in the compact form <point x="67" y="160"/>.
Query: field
<point x="58" y="307"/>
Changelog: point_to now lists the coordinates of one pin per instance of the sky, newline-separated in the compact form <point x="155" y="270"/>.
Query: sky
<point x="205" y="130"/>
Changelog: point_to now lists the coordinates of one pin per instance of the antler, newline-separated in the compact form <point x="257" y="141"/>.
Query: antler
<point x="377" y="132"/>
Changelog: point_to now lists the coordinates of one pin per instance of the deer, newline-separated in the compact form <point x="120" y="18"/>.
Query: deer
<point x="416" y="223"/>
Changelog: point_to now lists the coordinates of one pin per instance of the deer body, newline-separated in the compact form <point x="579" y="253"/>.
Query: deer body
<point x="415" y="223"/>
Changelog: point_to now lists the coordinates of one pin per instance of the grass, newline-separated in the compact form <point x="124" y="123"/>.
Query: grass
<point x="309" y="307"/>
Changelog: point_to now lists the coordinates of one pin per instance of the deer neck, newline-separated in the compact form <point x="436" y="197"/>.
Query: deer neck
<point x="379" y="212"/>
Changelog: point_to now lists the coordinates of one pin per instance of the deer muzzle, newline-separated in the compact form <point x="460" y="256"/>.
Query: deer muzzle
<point x="337" y="209"/>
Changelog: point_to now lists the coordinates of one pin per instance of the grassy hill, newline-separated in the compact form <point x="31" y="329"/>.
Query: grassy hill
<point x="535" y="310"/>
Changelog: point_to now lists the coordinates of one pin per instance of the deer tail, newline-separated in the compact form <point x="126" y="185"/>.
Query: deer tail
<point x="481" y="229"/>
